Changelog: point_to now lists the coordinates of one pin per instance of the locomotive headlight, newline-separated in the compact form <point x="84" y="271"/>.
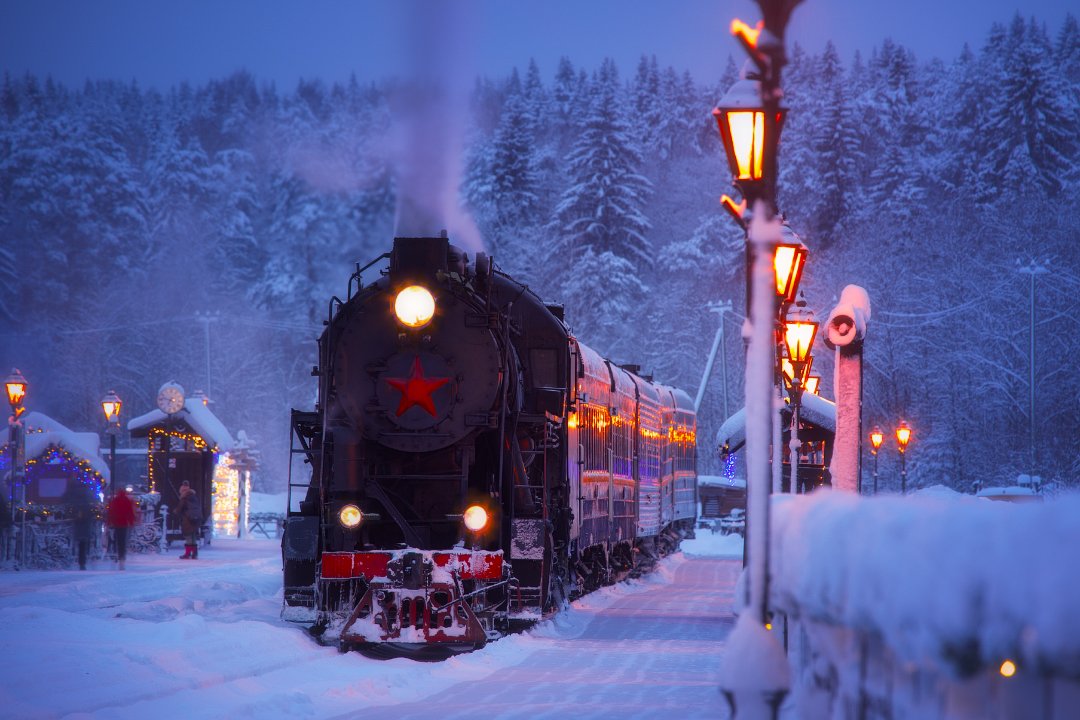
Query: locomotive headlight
<point x="475" y="517"/>
<point x="350" y="516"/>
<point x="414" y="306"/>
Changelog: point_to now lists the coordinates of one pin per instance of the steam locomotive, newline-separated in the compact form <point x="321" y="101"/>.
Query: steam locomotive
<point x="473" y="465"/>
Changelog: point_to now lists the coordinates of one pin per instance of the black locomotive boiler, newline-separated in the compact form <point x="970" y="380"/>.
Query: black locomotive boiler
<point x="473" y="465"/>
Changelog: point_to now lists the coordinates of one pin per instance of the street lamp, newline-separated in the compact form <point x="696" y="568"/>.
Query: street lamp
<point x="813" y="384"/>
<point x="740" y="117"/>
<point x="876" y="438"/>
<point x="799" y="333"/>
<point x="110" y="405"/>
<point x="15" y="385"/>
<point x="788" y="264"/>
<point x="903" y="435"/>
<point x="749" y="118"/>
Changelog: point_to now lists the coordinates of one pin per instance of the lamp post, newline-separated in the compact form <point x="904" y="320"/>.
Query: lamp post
<point x="876" y="438"/>
<point x="799" y="333"/>
<point x="749" y="119"/>
<point x="110" y="405"/>
<point x="16" y="386"/>
<point x="903" y="435"/>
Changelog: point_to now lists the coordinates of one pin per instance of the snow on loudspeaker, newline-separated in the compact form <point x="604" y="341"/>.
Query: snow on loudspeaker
<point x="847" y="321"/>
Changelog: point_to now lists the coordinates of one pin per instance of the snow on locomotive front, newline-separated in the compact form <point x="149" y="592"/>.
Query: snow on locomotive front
<point x="405" y="532"/>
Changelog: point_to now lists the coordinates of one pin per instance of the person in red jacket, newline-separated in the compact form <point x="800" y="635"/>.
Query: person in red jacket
<point x="121" y="520"/>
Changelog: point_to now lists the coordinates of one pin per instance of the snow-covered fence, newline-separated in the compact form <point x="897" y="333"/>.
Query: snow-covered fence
<point x="908" y="607"/>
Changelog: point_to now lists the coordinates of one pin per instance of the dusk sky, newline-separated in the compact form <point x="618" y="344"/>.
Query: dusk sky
<point x="160" y="44"/>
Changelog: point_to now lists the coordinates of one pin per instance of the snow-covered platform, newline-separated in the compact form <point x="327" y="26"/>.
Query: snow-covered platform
<point x="202" y="639"/>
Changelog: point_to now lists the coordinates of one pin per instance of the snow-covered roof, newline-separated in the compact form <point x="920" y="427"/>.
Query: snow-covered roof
<point x="721" y="481"/>
<point x="42" y="431"/>
<point x="196" y="415"/>
<point x="1012" y="492"/>
<point x="813" y="408"/>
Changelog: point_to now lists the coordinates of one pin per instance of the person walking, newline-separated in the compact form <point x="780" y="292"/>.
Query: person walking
<point x="121" y="520"/>
<point x="83" y="522"/>
<point x="189" y="510"/>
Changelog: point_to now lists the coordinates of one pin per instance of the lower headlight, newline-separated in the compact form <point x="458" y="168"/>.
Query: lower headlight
<point x="475" y="517"/>
<point x="350" y="516"/>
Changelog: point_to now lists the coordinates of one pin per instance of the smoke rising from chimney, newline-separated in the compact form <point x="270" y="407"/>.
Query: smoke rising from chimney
<point x="429" y="109"/>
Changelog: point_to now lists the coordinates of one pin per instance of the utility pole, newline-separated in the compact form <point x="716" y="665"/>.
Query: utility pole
<point x="206" y="318"/>
<point x="718" y="342"/>
<point x="1032" y="269"/>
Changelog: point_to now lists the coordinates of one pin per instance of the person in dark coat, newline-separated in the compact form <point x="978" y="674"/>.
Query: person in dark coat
<point x="121" y="520"/>
<point x="83" y="522"/>
<point x="190" y="512"/>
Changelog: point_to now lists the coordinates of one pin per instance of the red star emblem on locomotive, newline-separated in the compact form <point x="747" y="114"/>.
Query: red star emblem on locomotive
<point x="417" y="389"/>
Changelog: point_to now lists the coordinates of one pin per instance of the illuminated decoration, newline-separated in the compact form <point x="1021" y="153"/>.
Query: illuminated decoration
<point x="70" y="465"/>
<point x="737" y="210"/>
<point x="903" y="435"/>
<point x="110" y="405"/>
<point x="650" y="433"/>
<point x="730" y="463"/>
<point x="788" y="262"/>
<point x="414" y="306"/>
<point x="226" y="498"/>
<point x="571" y="420"/>
<point x="747" y="35"/>
<point x="15" y="385"/>
<point x="876" y="438"/>
<point x="416" y="389"/>
<point x="1007" y="669"/>
<point x="475" y="518"/>
<point x="350" y="516"/>
<point x="157" y="432"/>
<point x="682" y="435"/>
<point x="740" y="118"/>
<point x="813" y="384"/>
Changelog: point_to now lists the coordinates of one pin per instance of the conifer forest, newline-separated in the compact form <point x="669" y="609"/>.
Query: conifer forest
<point x="197" y="234"/>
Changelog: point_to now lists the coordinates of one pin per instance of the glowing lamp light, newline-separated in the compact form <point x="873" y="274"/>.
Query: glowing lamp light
<point x="414" y="306"/>
<point x="110" y="405"/>
<point x="350" y="516"/>
<point x="903" y="435"/>
<point x="788" y="370"/>
<point x="475" y="517"/>
<point x="799" y="333"/>
<point x="788" y="262"/>
<point x="740" y="118"/>
<point x="571" y="420"/>
<point x="813" y="383"/>
<point x="16" y="389"/>
<point x="876" y="438"/>
<point x="1007" y="669"/>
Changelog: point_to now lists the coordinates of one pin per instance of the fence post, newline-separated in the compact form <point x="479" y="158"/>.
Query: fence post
<point x="164" y="542"/>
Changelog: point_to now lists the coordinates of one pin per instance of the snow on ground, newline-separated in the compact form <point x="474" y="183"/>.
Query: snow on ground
<point x="202" y="639"/>
<point x="709" y="544"/>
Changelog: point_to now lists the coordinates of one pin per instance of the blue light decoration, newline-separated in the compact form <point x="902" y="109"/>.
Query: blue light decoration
<point x="71" y="466"/>
<point x="730" y="463"/>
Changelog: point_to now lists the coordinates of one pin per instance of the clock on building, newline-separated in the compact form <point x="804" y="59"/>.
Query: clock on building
<point x="170" y="398"/>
